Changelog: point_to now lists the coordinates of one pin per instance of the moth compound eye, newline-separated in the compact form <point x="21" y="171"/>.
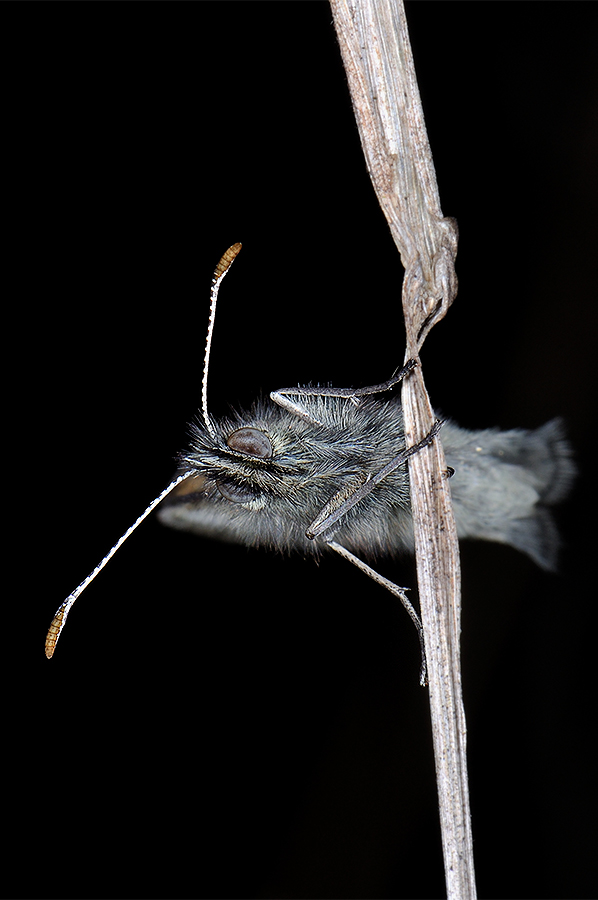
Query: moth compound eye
<point x="235" y="493"/>
<point x="251" y="442"/>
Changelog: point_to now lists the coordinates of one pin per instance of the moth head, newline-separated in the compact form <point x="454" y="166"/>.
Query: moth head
<point x="242" y="461"/>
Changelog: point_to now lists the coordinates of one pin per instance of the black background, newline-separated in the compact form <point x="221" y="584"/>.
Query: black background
<point x="219" y="722"/>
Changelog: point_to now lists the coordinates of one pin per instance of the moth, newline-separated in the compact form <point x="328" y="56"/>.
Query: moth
<point x="314" y="469"/>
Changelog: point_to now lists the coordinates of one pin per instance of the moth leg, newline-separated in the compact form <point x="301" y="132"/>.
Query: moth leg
<point x="340" y="503"/>
<point x="281" y="397"/>
<point x="396" y="591"/>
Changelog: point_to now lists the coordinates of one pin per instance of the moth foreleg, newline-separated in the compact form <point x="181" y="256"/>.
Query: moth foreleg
<point x="281" y="396"/>
<point x="396" y="591"/>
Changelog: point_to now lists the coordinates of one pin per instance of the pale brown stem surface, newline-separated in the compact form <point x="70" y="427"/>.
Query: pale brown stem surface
<point x="376" y="52"/>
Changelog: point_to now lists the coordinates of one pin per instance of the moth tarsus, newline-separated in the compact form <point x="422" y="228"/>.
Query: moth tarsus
<point x="397" y="592"/>
<point x="347" y="393"/>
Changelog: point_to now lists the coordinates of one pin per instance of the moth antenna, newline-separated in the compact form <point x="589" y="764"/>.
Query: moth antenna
<point x="62" y="612"/>
<point x="59" y="620"/>
<point x="219" y="273"/>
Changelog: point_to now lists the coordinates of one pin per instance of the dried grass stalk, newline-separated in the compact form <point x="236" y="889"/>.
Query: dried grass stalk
<point x="377" y="56"/>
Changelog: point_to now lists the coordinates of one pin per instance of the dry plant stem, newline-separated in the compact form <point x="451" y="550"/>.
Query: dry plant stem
<point x="377" y="56"/>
